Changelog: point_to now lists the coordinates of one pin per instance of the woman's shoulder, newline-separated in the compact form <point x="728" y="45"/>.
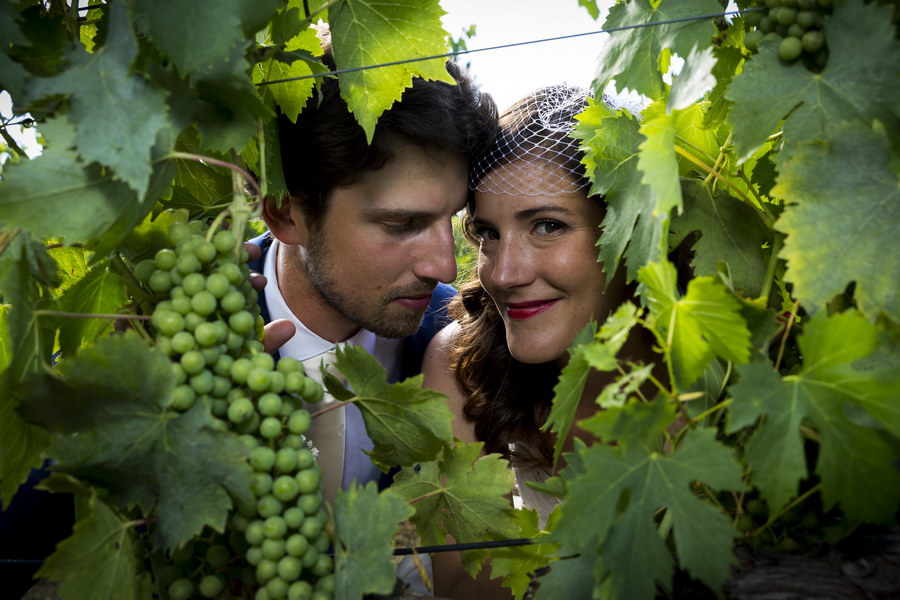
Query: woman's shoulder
<point x="438" y="351"/>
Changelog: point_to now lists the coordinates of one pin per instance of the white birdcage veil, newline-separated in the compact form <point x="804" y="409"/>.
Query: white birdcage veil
<point x="535" y="132"/>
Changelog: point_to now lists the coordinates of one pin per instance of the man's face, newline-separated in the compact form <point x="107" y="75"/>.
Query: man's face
<point x="386" y="241"/>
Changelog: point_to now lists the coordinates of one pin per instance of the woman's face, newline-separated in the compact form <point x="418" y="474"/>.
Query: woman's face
<point x="538" y="261"/>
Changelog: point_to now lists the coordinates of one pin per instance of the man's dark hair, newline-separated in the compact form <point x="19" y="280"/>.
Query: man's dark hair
<point x="327" y="148"/>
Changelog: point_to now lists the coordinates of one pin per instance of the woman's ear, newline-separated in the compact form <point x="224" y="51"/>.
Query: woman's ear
<point x="286" y="222"/>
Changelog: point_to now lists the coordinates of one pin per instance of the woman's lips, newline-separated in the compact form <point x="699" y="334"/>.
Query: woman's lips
<point x="525" y="310"/>
<point x="414" y="303"/>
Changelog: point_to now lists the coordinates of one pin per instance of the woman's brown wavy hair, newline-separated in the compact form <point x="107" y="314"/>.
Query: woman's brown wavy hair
<point x="506" y="400"/>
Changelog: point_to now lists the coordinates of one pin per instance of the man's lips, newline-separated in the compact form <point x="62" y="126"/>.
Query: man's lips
<point x="526" y="310"/>
<point x="418" y="302"/>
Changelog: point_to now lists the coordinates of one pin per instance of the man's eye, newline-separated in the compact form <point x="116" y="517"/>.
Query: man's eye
<point x="547" y="227"/>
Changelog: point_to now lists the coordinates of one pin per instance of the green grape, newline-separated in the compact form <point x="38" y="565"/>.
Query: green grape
<point x="270" y="428"/>
<point x="262" y="594"/>
<point x="232" y="302"/>
<point x="312" y="391"/>
<point x="206" y="334"/>
<point x="221" y="387"/>
<point x="193" y="283"/>
<point x="766" y="25"/>
<point x="254" y="555"/>
<point x="326" y="584"/>
<point x="285" y="488"/>
<point x="773" y="3"/>
<point x="790" y="49"/>
<point x="269" y="506"/>
<point x="323" y="566"/>
<point x="293" y="516"/>
<point x="203" y="303"/>
<point x="269" y="404"/>
<point x="211" y="354"/>
<point x="249" y="441"/>
<point x="276" y="384"/>
<point x="305" y="462"/>
<point x="217" y="285"/>
<point x="796" y="31"/>
<point x="745" y="524"/>
<point x="211" y="586"/>
<point x="225" y="241"/>
<point x="223" y="365"/>
<point x="286" y="460"/>
<point x="192" y="320"/>
<point x="240" y="370"/>
<point x="254" y="533"/>
<point x="310" y="557"/>
<point x="273" y="549"/>
<point x="262" y="458"/>
<point x="179" y="232"/>
<point x="300" y="590"/>
<point x="238" y="522"/>
<point x="181" y="589"/>
<point x="160" y="282"/>
<point x="193" y="362"/>
<point x="183" y="397"/>
<point x="277" y="588"/>
<point x="296" y="545"/>
<point x="806" y="18"/>
<point x="178" y="372"/>
<point x="241" y="322"/>
<point x="756" y="508"/>
<point x="187" y="263"/>
<point x="262" y="484"/>
<point x="320" y="595"/>
<point x="309" y="503"/>
<point x="787" y="16"/>
<point x="258" y="379"/>
<point x="263" y="361"/>
<point x="289" y="568"/>
<point x="299" y="421"/>
<point x="144" y="269"/>
<point x="311" y="526"/>
<point x="289" y="365"/>
<point x="232" y="272"/>
<point x="812" y="41"/>
<point x="293" y="382"/>
<point x="275" y="527"/>
<point x="181" y="304"/>
<point x="205" y="251"/>
<point x="266" y="570"/>
<point x="165" y="259"/>
<point x="323" y="542"/>
<point x="217" y="555"/>
<point x="752" y="40"/>
<point x="202" y="382"/>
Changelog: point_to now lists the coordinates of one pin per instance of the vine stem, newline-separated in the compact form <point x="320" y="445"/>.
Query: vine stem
<point x="798" y="500"/>
<point x="75" y="315"/>
<point x="263" y="179"/>
<point x="712" y="410"/>
<point x="132" y="284"/>
<point x="764" y="215"/>
<point x="719" y="158"/>
<point x="328" y="409"/>
<point x="777" y="243"/>
<point x="221" y="163"/>
<point x="426" y="495"/>
<point x="787" y="330"/>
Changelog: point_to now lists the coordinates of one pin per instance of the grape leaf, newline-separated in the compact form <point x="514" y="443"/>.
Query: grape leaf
<point x="695" y="79"/>
<point x="706" y="322"/>
<point x="570" y="577"/>
<point x="110" y="398"/>
<point x="97" y="560"/>
<point x="54" y="195"/>
<point x="118" y="120"/>
<point x="590" y="350"/>
<point x="610" y="142"/>
<point x="407" y="424"/>
<point x="728" y="61"/>
<point x="591" y="7"/>
<point x="632" y="56"/>
<point x="100" y="291"/>
<point x="173" y="27"/>
<point x="693" y="133"/>
<point x="856" y="463"/>
<point x="463" y="495"/>
<point x="151" y="235"/>
<point x="516" y="563"/>
<point x="730" y="233"/>
<point x="380" y="31"/>
<point x="366" y="522"/>
<point x="12" y="74"/>
<point x="858" y="83"/>
<point x="614" y="500"/>
<point x="48" y="37"/>
<point x="817" y="181"/>
<point x="291" y="96"/>
<point x="657" y="160"/>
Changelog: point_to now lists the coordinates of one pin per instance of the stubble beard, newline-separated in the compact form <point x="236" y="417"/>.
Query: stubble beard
<point x="377" y="316"/>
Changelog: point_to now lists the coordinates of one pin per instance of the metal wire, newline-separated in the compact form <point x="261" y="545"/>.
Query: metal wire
<point x="512" y="45"/>
<point x="466" y="546"/>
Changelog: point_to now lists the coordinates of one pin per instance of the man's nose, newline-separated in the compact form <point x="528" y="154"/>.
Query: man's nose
<point x="438" y="258"/>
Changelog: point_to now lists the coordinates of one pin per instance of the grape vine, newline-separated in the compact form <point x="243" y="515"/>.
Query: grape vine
<point x="131" y="365"/>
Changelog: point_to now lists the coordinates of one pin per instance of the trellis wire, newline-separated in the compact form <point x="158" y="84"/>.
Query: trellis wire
<point x="512" y="45"/>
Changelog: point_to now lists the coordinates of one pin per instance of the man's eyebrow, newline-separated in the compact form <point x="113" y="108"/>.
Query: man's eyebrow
<point x="398" y="213"/>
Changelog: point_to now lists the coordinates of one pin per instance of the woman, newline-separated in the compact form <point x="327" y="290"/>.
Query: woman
<point x="539" y="283"/>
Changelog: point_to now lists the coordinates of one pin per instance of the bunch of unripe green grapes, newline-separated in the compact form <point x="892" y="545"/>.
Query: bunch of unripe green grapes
<point x="797" y="22"/>
<point x="207" y="322"/>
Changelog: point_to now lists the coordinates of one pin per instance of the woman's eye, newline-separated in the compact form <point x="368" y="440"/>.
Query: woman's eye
<point x="485" y="234"/>
<point x="547" y="227"/>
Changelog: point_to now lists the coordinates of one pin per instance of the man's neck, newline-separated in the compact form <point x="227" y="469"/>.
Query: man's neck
<point x="305" y="301"/>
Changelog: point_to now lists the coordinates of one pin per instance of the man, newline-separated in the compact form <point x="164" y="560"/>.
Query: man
<point x="362" y="250"/>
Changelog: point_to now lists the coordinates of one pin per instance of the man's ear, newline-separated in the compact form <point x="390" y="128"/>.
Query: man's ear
<point x="286" y="222"/>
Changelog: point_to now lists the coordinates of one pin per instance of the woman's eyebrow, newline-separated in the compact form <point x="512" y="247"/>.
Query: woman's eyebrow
<point x="529" y="213"/>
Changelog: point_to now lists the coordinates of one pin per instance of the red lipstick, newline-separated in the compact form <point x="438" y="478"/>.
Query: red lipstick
<point x="525" y="310"/>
